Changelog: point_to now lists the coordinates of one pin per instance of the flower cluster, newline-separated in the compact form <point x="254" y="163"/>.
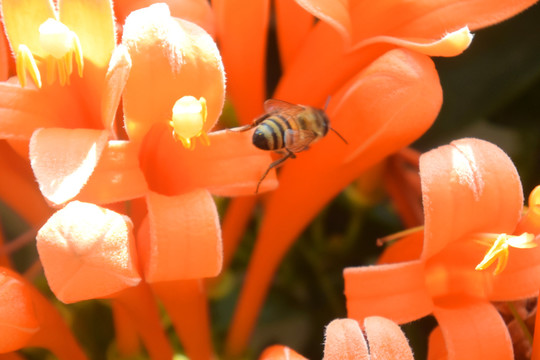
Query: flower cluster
<point x="112" y="153"/>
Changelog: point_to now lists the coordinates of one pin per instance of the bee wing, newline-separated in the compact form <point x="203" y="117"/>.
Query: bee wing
<point x="275" y="105"/>
<point x="298" y="140"/>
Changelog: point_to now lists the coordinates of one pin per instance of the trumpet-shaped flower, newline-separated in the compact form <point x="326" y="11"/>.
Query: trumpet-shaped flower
<point x="470" y="190"/>
<point x="384" y="95"/>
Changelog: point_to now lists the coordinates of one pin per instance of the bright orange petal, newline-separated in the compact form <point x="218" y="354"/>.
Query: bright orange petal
<point x="17" y="314"/>
<point x="473" y="329"/>
<point x="344" y="340"/>
<point x="462" y="180"/>
<point x="292" y="26"/>
<point x="196" y="11"/>
<point x="428" y="19"/>
<point x="64" y="159"/>
<point x="397" y="99"/>
<point x="24" y="110"/>
<point x="126" y="337"/>
<point x="184" y="240"/>
<point x="87" y="252"/>
<point x="52" y="332"/>
<point x="5" y="55"/>
<point x="117" y="176"/>
<point x="186" y="304"/>
<point x="280" y="352"/>
<point x="242" y="33"/>
<point x="386" y="340"/>
<point x="399" y="289"/>
<point x="229" y="166"/>
<point x="18" y="188"/>
<point x="335" y="13"/>
<point x="530" y="222"/>
<point x="191" y="65"/>
<point x="436" y="345"/>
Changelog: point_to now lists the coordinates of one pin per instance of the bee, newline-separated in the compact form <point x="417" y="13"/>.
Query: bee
<point x="288" y="129"/>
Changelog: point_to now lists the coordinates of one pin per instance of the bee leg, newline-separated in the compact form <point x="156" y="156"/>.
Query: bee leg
<point x="242" y="128"/>
<point x="273" y="165"/>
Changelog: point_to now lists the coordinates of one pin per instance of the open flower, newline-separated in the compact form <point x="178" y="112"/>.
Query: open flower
<point x="171" y="101"/>
<point x="470" y="189"/>
<point x="382" y="99"/>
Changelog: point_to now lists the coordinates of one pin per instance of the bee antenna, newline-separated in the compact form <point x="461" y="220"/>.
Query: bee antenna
<point x="327" y="102"/>
<point x="338" y="134"/>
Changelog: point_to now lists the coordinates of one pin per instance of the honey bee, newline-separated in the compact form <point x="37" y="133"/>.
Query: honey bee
<point x="287" y="129"/>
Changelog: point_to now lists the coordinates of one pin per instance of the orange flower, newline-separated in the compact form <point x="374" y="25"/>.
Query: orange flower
<point x="382" y="99"/>
<point x="345" y="340"/>
<point x="470" y="189"/>
<point x="173" y="97"/>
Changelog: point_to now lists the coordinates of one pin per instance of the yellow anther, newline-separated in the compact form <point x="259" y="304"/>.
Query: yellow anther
<point x="25" y="61"/>
<point x="499" y="248"/>
<point x="189" y="116"/>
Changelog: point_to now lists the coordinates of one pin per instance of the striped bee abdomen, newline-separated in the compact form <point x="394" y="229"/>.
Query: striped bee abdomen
<point x="269" y="134"/>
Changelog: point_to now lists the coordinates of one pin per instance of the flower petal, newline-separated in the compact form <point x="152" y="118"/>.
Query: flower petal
<point x="344" y="340"/>
<point x="335" y="13"/>
<point x="407" y="249"/>
<point x="386" y="340"/>
<point x="171" y="58"/>
<point x="22" y="20"/>
<point x="18" y="188"/>
<point x="195" y="11"/>
<point x="18" y="318"/>
<point x="87" y="252"/>
<point x="462" y="180"/>
<point x="184" y="240"/>
<point x="451" y="44"/>
<point x="436" y="345"/>
<point x="94" y="25"/>
<point x="473" y="329"/>
<point x="115" y="81"/>
<point x="64" y="159"/>
<point x="530" y="222"/>
<point x="280" y="352"/>
<point x="230" y="166"/>
<point x="395" y="291"/>
<point x="24" y="110"/>
<point x="293" y="24"/>
<point x="5" y="56"/>
<point x="117" y="176"/>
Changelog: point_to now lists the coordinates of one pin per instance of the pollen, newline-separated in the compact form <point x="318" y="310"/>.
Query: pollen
<point x="499" y="249"/>
<point x="189" y="116"/>
<point x="59" y="44"/>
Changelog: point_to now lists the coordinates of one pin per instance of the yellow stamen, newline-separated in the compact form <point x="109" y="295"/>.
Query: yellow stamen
<point x="25" y="61"/>
<point x="189" y="116"/>
<point x="498" y="250"/>
<point x="399" y="235"/>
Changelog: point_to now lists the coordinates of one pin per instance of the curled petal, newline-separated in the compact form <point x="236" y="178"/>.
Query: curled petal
<point x="87" y="252"/>
<point x="451" y="44"/>
<point x="184" y="239"/>
<point x="117" y="176"/>
<point x="172" y="55"/>
<point x="334" y="12"/>
<point x="64" y="159"/>
<point x="344" y="340"/>
<point x="280" y="352"/>
<point x="115" y="81"/>
<point x="462" y="180"/>
<point x="473" y="329"/>
<point x="386" y="340"/>
<point x="399" y="289"/>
